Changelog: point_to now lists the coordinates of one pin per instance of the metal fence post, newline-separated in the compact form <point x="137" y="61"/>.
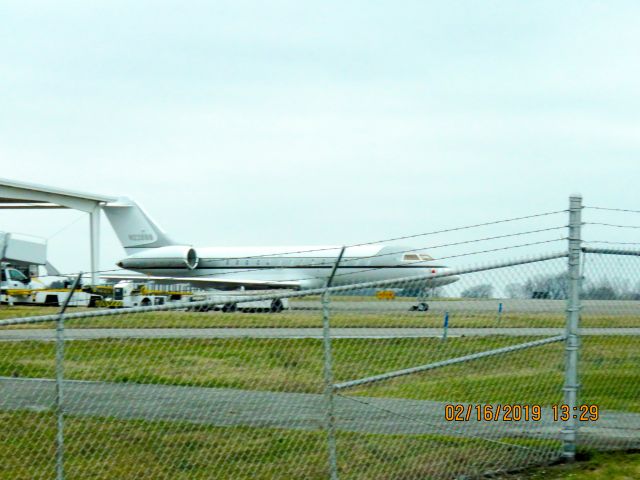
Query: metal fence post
<point x="329" y="390"/>
<point x="59" y="407"/>
<point x="571" y="384"/>
<point x="445" y="325"/>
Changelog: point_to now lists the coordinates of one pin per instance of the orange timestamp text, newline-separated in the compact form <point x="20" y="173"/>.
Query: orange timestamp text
<point x="460" y="412"/>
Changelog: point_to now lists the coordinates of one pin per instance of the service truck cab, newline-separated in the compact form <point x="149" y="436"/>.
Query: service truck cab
<point x="12" y="278"/>
<point x="17" y="288"/>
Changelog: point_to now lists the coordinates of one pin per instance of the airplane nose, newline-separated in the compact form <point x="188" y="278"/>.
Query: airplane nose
<point x="119" y="263"/>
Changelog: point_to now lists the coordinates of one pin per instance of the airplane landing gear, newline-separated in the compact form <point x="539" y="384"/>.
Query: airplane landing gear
<point x="420" y="307"/>
<point x="229" y="307"/>
<point x="276" y="306"/>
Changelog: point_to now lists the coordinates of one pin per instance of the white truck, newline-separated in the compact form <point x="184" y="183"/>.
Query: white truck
<point x="16" y="288"/>
<point x="21" y="256"/>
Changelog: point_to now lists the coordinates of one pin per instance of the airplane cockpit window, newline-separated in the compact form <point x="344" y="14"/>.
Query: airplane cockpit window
<point x="417" y="257"/>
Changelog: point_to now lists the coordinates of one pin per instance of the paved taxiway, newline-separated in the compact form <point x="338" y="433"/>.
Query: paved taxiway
<point x="230" y="407"/>
<point x="284" y="333"/>
<point x="510" y="305"/>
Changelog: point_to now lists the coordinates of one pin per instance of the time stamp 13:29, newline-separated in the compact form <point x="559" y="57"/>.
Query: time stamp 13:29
<point x="460" y="412"/>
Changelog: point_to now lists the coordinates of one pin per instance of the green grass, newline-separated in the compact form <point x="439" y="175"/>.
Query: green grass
<point x="106" y="448"/>
<point x="592" y="466"/>
<point x="126" y="449"/>
<point x="609" y="371"/>
<point x="313" y="318"/>
<point x="113" y="448"/>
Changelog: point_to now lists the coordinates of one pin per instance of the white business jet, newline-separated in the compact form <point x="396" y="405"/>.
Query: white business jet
<point x="153" y="253"/>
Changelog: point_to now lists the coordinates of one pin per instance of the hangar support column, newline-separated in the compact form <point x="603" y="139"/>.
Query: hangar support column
<point x="94" y="232"/>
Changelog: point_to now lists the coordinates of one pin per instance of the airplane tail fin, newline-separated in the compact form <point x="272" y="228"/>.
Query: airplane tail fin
<point x="134" y="228"/>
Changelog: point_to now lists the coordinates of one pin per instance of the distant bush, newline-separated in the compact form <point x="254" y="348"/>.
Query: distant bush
<point x="484" y="290"/>
<point x="556" y="287"/>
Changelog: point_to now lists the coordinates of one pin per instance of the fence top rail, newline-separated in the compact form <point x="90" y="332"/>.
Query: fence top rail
<point x="611" y="251"/>
<point x="221" y="299"/>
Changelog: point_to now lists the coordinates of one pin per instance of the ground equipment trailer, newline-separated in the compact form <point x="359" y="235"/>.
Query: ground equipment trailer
<point x="236" y="304"/>
<point x="128" y="294"/>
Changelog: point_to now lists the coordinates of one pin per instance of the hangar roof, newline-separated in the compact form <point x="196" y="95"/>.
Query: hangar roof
<point x="17" y="194"/>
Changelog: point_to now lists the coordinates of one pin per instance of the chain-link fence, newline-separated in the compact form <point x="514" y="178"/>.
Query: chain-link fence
<point x="340" y="384"/>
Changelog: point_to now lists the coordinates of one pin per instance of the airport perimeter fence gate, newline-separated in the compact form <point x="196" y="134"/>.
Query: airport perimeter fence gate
<point x="337" y="386"/>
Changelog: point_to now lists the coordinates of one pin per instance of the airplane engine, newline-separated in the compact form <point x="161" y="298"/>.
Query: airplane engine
<point x="163" y="257"/>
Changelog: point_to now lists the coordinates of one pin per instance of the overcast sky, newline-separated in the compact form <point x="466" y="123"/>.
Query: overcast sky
<point x="292" y="123"/>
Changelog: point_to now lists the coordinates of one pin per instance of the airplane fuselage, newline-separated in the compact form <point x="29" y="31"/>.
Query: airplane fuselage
<point x="308" y="267"/>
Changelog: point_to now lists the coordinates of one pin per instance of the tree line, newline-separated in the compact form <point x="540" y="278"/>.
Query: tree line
<point x="556" y="287"/>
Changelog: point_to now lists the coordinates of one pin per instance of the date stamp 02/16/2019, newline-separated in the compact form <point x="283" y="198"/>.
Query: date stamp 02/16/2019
<point x="460" y="412"/>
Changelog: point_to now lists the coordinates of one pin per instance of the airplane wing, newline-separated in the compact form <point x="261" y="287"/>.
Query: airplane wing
<point x="208" y="282"/>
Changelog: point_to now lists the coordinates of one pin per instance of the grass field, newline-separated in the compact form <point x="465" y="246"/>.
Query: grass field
<point x="590" y="466"/>
<point x="313" y="318"/>
<point x="108" y="448"/>
<point x="609" y="366"/>
<point x="116" y="448"/>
